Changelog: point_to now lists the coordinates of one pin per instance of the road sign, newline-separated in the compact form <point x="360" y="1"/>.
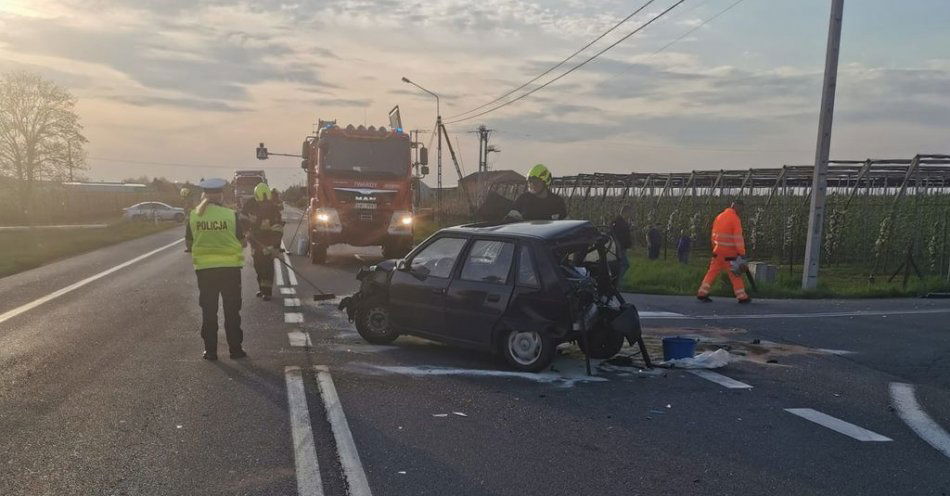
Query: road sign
<point x="262" y="152"/>
<point x="395" y="120"/>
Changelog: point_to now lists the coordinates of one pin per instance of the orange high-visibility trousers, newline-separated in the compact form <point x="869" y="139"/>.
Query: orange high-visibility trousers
<point x="717" y="265"/>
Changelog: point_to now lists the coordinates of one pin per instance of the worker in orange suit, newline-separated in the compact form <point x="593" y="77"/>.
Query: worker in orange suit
<point x="728" y="249"/>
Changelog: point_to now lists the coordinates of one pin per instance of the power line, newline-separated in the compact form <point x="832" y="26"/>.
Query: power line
<point x="559" y="64"/>
<point x="680" y="37"/>
<point x="572" y="69"/>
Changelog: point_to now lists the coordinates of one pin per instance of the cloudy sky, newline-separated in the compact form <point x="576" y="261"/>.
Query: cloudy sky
<point x="166" y="83"/>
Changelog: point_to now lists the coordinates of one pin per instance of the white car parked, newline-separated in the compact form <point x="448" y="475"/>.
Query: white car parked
<point x="154" y="211"/>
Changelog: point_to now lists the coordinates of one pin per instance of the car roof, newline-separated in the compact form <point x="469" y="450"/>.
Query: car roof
<point x="539" y="229"/>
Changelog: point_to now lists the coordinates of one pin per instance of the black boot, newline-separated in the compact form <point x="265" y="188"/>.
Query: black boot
<point x="209" y="355"/>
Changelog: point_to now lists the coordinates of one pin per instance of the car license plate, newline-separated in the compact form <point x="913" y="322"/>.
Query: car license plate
<point x="366" y="206"/>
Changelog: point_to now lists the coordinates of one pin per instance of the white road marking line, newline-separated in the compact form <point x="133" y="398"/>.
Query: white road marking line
<point x="72" y="287"/>
<point x="291" y="276"/>
<point x="836" y="352"/>
<point x="299" y="339"/>
<point x="346" y="448"/>
<point x="657" y="315"/>
<point x="291" y="302"/>
<point x="838" y="425"/>
<point x="909" y="410"/>
<point x="278" y="273"/>
<point x="719" y="379"/>
<point x="309" y="481"/>
<point x="288" y="291"/>
<point x="861" y="313"/>
<point x="293" y="318"/>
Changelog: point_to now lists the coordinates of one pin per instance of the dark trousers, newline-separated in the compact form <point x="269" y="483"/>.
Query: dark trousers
<point x="226" y="282"/>
<point x="654" y="251"/>
<point x="264" y="266"/>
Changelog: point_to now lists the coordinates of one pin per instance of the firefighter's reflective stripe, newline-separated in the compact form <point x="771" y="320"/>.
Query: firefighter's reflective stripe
<point x="726" y="236"/>
<point x="703" y="289"/>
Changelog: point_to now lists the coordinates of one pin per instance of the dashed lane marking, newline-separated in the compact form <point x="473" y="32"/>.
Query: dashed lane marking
<point x="346" y="447"/>
<point x="72" y="287"/>
<point x="720" y="379"/>
<point x="288" y="291"/>
<point x="909" y="410"/>
<point x="293" y="318"/>
<point x="299" y="339"/>
<point x="309" y="482"/>
<point x="291" y="302"/>
<point x="838" y="425"/>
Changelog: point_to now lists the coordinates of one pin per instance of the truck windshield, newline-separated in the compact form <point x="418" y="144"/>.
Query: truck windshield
<point x="390" y="157"/>
<point x="247" y="183"/>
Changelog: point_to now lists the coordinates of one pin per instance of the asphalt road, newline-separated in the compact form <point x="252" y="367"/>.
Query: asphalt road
<point x="103" y="391"/>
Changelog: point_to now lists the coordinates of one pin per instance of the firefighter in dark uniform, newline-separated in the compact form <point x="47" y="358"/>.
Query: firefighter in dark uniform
<point x="539" y="202"/>
<point x="266" y="229"/>
<point x="216" y="240"/>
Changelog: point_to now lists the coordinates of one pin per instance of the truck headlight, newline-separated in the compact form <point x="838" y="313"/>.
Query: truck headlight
<point x="327" y="220"/>
<point x="401" y="223"/>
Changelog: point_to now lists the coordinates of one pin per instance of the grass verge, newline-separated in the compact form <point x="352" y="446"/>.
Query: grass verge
<point x="836" y="281"/>
<point x="27" y="249"/>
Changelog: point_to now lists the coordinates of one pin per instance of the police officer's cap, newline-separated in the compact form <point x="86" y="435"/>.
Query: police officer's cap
<point x="213" y="185"/>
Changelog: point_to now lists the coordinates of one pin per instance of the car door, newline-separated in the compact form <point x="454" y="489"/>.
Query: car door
<point x="162" y="211"/>
<point x="477" y="298"/>
<point x="417" y="290"/>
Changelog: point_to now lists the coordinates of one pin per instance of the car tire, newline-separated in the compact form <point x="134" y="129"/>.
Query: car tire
<point x="318" y="253"/>
<point x="527" y="351"/>
<point x="604" y="343"/>
<point x="372" y="322"/>
<point x="179" y="218"/>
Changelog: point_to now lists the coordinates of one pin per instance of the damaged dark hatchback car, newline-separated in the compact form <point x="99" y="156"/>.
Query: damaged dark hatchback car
<point x="517" y="289"/>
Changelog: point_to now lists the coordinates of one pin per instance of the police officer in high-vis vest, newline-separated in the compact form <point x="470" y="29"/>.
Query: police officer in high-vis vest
<point x="216" y="239"/>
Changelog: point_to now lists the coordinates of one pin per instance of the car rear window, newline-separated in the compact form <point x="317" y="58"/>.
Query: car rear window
<point x="488" y="261"/>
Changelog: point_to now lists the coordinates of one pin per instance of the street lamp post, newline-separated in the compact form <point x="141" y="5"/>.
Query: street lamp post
<point x="438" y="126"/>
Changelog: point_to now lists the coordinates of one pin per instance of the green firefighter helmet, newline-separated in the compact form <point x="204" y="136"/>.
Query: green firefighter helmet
<point x="541" y="172"/>
<point x="185" y="192"/>
<point x="262" y="192"/>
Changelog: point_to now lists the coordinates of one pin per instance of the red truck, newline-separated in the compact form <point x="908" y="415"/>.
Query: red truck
<point x="359" y="182"/>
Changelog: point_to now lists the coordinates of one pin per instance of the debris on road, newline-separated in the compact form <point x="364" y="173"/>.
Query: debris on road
<point x="705" y="360"/>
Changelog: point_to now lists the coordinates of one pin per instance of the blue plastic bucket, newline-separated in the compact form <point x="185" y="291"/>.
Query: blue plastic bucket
<point x="676" y="347"/>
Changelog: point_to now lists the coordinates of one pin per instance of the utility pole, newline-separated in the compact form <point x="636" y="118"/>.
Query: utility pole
<point x="816" y="216"/>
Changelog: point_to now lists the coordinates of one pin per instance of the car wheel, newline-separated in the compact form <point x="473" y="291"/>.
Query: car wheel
<point x="372" y="322"/>
<point x="179" y="218"/>
<point x="604" y="343"/>
<point x="528" y="351"/>
<point x="318" y="253"/>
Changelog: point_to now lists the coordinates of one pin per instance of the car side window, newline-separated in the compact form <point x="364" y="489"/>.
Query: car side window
<point x="437" y="259"/>
<point x="527" y="274"/>
<point x="489" y="261"/>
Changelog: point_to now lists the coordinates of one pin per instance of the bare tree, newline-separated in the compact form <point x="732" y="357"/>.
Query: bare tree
<point x="40" y="133"/>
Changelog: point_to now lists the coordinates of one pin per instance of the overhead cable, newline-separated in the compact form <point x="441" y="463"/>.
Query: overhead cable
<point x="572" y="69"/>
